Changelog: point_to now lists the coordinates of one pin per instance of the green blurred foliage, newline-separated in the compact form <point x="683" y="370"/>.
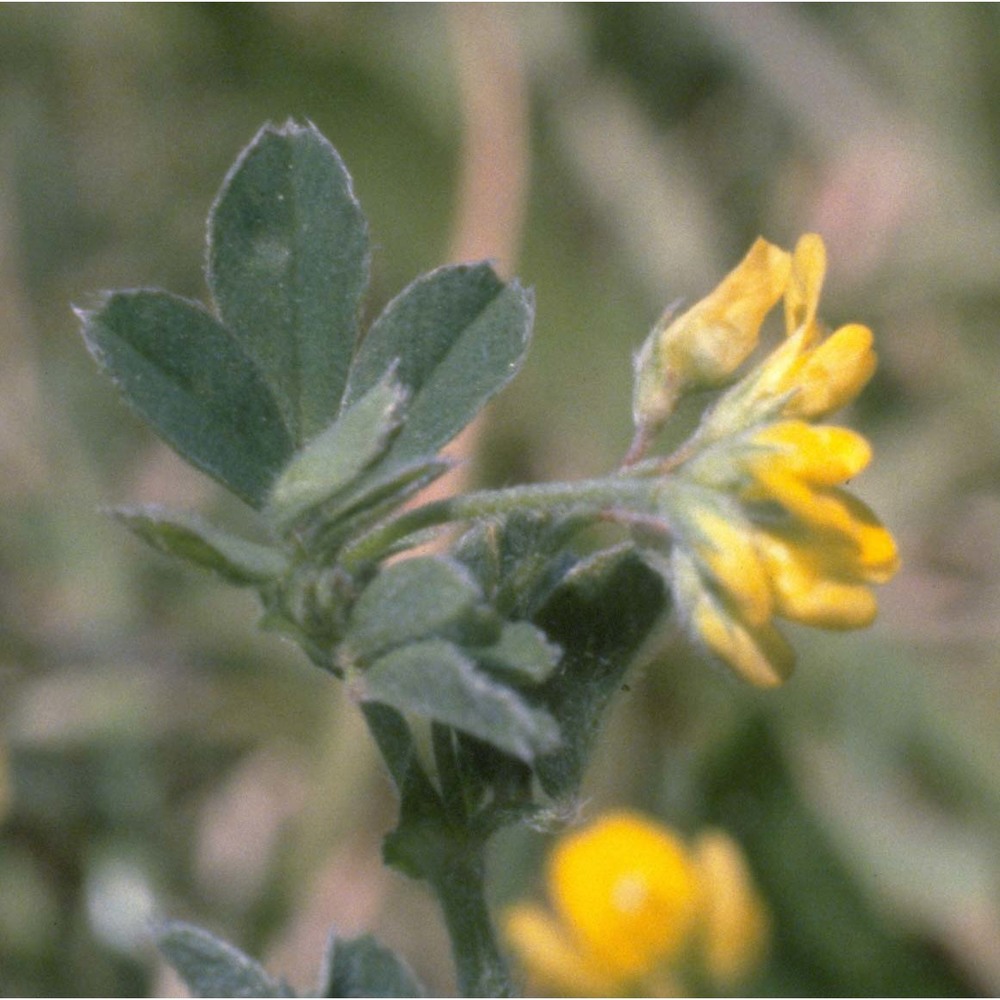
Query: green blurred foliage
<point x="160" y="758"/>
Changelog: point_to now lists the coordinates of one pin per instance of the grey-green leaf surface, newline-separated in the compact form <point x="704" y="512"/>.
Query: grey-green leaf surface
<point x="522" y="651"/>
<point x="408" y="600"/>
<point x="194" y="540"/>
<point x="361" y="967"/>
<point x="337" y="456"/>
<point x="211" y="967"/>
<point x="288" y="263"/>
<point x="195" y="383"/>
<point x="437" y="681"/>
<point x="458" y="336"/>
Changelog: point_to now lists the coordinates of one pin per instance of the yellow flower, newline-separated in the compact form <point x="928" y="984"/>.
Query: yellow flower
<point x="704" y="346"/>
<point x="764" y="526"/>
<point x="816" y="582"/>
<point x="634" y="908"/>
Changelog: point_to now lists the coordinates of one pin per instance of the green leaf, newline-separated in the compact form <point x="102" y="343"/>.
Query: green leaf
<point x="335" y="458"/>
<point x="459" y="335"/>
<point x="193" y="381"/>
<point x="211" y="967"/>
<point x="288" y="265"/>
<point x="409" y="600"/>
<point x="523" y="651"/>
<point x="361" y="967"/>
<point x="188" y="537"/>
<point x="435" y="680"/>
<point x="600" y="615"/>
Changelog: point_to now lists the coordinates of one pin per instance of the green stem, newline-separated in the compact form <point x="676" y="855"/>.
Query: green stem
<point x="434" y="842"/>
<point x="631" y="490"/>
<point x="481" y="968"/>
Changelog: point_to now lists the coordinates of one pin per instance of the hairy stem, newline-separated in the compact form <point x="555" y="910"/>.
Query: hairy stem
<point x="630" y="491"/>
<point x="481" y="968"/>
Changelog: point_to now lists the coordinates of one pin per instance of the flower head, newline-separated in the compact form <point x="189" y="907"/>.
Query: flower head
<point x="762" y="523"/>
<point x="634" y="907"/>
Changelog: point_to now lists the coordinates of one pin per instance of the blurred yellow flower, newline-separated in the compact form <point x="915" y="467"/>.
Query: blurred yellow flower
<point x="636" y="911"/>
<point x="763" y="526"/>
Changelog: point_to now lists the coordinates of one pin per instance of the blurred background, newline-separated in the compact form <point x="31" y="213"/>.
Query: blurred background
<point x="160" y="758"/>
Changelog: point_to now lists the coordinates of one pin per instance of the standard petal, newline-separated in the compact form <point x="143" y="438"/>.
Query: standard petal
<point x="714" y="337"/>
<point x="832" y="374"/>
<point x="805" y="283"/>
<point x="821" y="456"/>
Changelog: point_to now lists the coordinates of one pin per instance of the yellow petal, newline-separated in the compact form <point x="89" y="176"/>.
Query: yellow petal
<point x="832" y="374"/>
<point x="776" y="374"/>
<point x="702" y="347"/>
<point x="877" y="553"/>
<point x="716" y="335"/>
<point x="829" y="604"/>
<point x="627" y="890"/>
<point x="753" y="398"/>
<point x="824" y="455"/>
<point x="821" y="509"/>
<point x="735" y="922"/>
<point x="730" y="555"/>
<point x="759" y="654"/>
<point x="815" y="581"/>
<point x="805" y="283"/>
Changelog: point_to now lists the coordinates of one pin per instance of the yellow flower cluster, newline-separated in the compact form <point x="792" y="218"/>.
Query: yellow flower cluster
<point x="637" y="912"/>
<point x="762" y="525"/>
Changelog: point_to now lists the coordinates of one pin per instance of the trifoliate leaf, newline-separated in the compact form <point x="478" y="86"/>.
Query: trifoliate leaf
<point x="522" y="651"/>
<point x="409" y="600"/>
